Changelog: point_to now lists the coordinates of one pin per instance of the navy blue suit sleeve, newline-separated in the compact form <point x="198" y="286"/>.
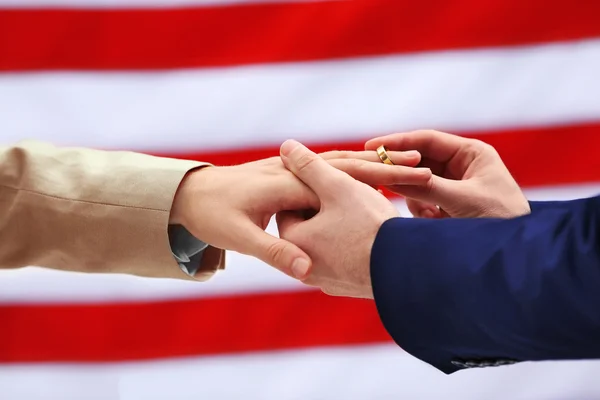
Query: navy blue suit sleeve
<point x="457" y="292"/>
<point x="545" y="205"/>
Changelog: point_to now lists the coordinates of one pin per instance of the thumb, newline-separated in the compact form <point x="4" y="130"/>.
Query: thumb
<point x="313" y="170"/>
<point x="281" y="254"/>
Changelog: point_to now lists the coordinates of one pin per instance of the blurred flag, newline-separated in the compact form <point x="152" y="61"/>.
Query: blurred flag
<point x="227" y="81"/>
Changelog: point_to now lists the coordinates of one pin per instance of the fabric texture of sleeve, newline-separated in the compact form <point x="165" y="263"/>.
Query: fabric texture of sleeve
<point x="91" y="211"/>
<point x="462" y="293"/>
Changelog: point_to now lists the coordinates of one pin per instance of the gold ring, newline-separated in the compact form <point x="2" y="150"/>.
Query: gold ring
<point x="383" y="155"/>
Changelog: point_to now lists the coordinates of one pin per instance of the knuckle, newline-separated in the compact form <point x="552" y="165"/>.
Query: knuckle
<point x="397" y="175"/>
<point x="430" y="187"/>
<point x="305" y="161"/>
<point x="476" y="145"/>
<point x="432" y="133"/>
<point x="276" y="250"/>
<point x="355" y="164"/>
<point x="478" y="148"/>
<point x="339" y="154"/>
<point x="489" y="149"/>
<point x="330" y="155"/>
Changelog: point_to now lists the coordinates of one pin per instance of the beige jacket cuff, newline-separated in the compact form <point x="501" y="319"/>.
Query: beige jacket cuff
<point x="91" y="211"/>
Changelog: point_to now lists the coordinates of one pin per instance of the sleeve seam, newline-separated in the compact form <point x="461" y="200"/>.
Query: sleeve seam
<point x="81" y="201"/>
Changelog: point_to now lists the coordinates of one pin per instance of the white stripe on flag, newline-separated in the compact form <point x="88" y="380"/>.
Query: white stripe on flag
<point x="320" y="101"/>
<point x="377" y="372"/>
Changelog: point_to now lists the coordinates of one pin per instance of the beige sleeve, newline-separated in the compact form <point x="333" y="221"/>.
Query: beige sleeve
<point x="91" y="211"/>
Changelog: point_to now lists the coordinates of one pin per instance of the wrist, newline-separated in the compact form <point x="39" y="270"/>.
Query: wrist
<point x="186" y="195"/>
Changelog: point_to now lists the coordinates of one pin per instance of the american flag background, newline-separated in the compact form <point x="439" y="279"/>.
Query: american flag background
<point x="227" y="81"/>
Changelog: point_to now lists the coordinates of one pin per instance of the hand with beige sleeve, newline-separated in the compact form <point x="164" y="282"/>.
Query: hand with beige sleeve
<point x="109" y="211"/>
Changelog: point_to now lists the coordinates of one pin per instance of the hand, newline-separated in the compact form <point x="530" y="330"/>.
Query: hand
<point x="339" y="237"/>
<point x="470" y="179"/>
<point x="229" y="207"/>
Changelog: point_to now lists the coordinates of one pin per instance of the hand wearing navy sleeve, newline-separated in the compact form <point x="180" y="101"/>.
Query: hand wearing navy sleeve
<point x="483" y="278"/>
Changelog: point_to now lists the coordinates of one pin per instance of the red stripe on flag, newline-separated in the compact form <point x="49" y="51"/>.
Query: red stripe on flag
<point x="145" y="39"/>
<point x="120" y="332"/>
<point x="535" y="157"/>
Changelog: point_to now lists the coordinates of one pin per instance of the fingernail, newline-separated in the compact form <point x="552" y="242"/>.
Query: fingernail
<point x="411" y="154"/>
<point x="300" y="267"/>
<point x="369" y="145"/>
<point x="287" y="147"/>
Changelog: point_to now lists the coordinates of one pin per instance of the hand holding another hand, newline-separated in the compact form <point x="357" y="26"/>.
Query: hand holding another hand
<point x="339" y="237"/>
<point x="328" y="214"/>
<point x="470" y="179"/>
<point x="230" y="207"/>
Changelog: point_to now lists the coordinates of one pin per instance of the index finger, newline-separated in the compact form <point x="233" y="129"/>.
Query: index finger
<point x="409" y="158"/>
<point x="378" y="174"/>
<point x="434" y="145"/>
